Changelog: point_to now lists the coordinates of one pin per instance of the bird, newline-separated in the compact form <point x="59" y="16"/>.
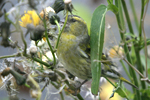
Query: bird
<point x="73" y="51"/>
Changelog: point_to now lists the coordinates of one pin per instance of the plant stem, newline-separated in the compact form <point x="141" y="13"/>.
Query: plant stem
<point x="79" y="97"/>
<point x="24" y="42"/>
<point x="7" y="56"/>
<point x="136" y="49"/>
<point x="134" y="68"/>
<point x="110" y="82"/>
<point x="134" y="14"/>
<point x="61" y="95"/>
<point x="122" y="32"/>
<point x="49" y="44"/>
<point x="124" y="67"/>
<point x="141" y="21"/>
<point x="146" y="53"/>
<point x="41" y="62"/>
<point x="62" y="30"/>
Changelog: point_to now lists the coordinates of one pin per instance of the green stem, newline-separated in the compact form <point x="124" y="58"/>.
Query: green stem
<point x="6" y="17"/>
<point x="61" y="95"/>
<point x="41" y="59"/>
<point x="141" y="21"/>
<point x="62" y="29"/>
<point x="122" y="32"/>
<point x="134" y="14"/>
<point x="79" y="97"/>
<point x="58" y="34"/>
<point x="136" y="49"/>
<point x="109" y="1"/>
<point x="7" y="56"/>
<point x="110" y="82"/>
<point x="49" y="44"/>
<point x="41" y="62"/>
<point x="146" y="53"/>
<point x="24" y="42"/>
<point x="127" y="16"/>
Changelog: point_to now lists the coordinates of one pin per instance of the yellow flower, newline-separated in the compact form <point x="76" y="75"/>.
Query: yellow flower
<point x="28" y="18"/>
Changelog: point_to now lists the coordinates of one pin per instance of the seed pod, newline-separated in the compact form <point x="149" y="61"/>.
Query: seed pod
<point x="52" y="17"/>
<point x="60" y="5"/>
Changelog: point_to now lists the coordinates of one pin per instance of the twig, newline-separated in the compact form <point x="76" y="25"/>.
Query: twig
<point x="134" y="68"/>
<point x="125" y="69"/>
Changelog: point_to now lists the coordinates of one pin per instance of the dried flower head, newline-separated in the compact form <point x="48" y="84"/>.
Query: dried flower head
<point x="30" y="17"/>
<point x="44" y="12"/>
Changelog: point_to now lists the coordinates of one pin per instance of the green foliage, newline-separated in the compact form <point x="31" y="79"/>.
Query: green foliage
<point x="112" y="8"/>
<point x="97" y="40"/>
<point x="138" y="43"/>
<point x="146" y="93"/>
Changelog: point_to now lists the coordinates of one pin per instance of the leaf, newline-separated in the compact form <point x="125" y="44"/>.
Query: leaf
<point x="97" y="39"/>
<point x="129" y="94"/>
<point x="112" y="8"/>
<point x="121" y="92"/>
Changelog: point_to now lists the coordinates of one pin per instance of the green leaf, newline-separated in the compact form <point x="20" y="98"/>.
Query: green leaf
<point x="129" y="94"/>
<point x="110" y="1"/>
<point x="121" y="92"/>
<point x="112" y="8"/>
<point x="97" y="39"/>
<point x="145" y="93"/>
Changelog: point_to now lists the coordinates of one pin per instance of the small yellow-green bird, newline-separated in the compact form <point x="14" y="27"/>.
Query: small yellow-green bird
<point x="74" y="51"/>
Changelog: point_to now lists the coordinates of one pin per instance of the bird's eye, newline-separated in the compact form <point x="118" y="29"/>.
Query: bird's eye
<point x="73" y="20"/>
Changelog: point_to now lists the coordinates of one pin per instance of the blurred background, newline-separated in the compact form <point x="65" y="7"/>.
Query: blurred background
<point x="84" y="9"/>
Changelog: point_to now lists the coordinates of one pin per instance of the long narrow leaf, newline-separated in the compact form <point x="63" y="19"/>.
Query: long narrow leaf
<point x="97" y="39"/>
